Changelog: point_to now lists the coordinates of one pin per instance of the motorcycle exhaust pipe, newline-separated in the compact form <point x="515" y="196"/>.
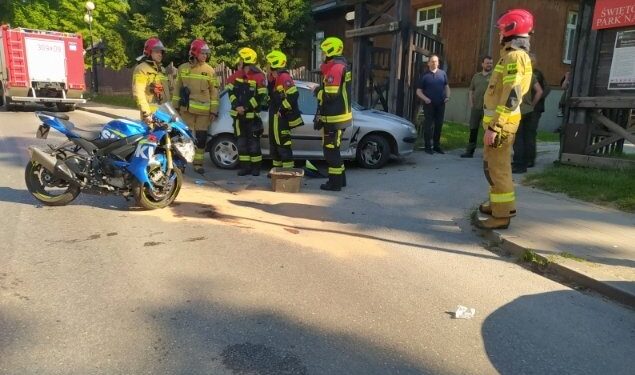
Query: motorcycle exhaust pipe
<point x="51" y="164"/>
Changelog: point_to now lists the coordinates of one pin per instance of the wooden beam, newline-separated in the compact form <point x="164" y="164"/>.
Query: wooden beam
<point x="387" y="28"/>
<point x="360" y="66"/>
<point x="380" y="12"/>
<point x="596" y="161"/>
<point x="615" y="128"/>
<point x="618" y="102"/>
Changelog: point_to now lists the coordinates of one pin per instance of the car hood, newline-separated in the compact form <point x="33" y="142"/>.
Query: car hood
<point x="370" y="114"/>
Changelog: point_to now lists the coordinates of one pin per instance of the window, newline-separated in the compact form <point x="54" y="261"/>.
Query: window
<point x="569" y="37"/>
<point x="316" y="55"/>
<point x="307" y="102"/>
<point x="429" y="19"/>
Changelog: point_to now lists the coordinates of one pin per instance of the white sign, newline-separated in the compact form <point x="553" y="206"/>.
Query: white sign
<point x="622" y="75"/>
<point x="46" y="59"/>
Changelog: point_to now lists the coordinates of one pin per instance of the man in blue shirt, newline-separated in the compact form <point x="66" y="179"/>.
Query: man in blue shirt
<point x="434" y="91"/>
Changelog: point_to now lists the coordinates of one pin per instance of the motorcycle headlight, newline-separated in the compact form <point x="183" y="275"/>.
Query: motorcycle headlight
<point x="186" y="149"/>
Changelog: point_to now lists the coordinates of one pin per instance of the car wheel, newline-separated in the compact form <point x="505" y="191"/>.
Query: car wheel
<point x="373" y="151"/>
<point x="224" y="152"/>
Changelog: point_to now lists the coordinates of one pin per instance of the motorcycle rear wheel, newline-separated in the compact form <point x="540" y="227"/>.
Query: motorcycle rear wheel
<point x="146" y="198"/>
<point x="39" y="179"/>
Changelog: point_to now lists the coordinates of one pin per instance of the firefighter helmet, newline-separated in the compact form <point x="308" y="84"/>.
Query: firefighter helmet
<point x="277" y="59"/>
<point x="248" y="55"/>
<point x="152" y="44"/>
<point x="332" y="46"/>
<point x="516" y="22"/>
<point x="198" y="47"/>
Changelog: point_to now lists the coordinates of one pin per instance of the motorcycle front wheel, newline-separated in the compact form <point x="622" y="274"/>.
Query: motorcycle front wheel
<point x="166" y="189"/>
<point x="47" y="188"/>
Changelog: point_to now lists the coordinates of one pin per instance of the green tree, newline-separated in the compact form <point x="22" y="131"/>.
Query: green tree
<point x="226" y="25"/>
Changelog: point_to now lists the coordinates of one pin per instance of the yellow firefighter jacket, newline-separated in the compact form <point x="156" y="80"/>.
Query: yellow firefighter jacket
<point x="510" y="80"/>
<point x="149" y="87"/>
<point x="202" y="88"/>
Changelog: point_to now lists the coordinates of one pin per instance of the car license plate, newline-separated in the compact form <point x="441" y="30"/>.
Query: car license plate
<point x="42" y="132"/>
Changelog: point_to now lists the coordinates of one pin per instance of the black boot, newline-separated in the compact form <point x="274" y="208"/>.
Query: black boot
<point x="245" y="169"/>
<point x="343" y="179"/>
<point x="333" y="184"/>
<point x="469" y="151"/>
<point x="255" y="169"/>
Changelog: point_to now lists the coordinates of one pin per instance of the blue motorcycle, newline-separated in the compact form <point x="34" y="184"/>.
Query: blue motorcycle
<point x="124" y="158"/>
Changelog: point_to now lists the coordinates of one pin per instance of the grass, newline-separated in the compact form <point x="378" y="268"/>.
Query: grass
<point x="530" y="256"/>
<point x="455" y="135"/>
<point x="606" y="187"/>
<point x="117" y="100"/>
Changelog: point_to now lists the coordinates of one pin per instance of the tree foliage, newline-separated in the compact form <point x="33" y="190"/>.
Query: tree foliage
<point x="124" y="25"/>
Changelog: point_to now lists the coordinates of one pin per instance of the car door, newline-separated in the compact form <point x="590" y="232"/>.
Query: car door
<point x="307" y="142"/>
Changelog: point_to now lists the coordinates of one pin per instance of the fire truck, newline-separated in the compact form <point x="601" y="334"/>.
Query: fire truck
<point x="39" y="66"/>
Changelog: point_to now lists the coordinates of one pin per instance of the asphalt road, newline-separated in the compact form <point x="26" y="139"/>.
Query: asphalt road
<point x="235" y="279"/>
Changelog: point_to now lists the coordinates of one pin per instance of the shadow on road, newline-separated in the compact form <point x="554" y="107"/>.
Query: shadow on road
<point x="539" y="334"/>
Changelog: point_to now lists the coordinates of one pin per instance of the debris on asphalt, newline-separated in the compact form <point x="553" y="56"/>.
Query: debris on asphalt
<point x="463" y="312"/>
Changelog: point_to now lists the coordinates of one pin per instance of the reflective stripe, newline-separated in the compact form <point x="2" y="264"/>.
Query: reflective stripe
<point x="244" y="158"/>
<point x="292" y="90"/>
<point x="256" y="159"/>
<point x="501" y="109"/>
<point x="319" y="95"/>
<point x="277" y="163"/>
<point x="236" y="128"/>
<point x="250" y="115"/>
<point x="232" y="98"/>
<point x="214" y="102"/>
<point x="229" y="86"/>
<point x="487" y="119"/>
<point x="199" y="106"/>
<point x="295" y="122"/>
<point x="288" y="164"/>
<point x="336" y="170"/>
<point x="286" y="104"/>
<point x="262" y="90"/>
<point x="198" y="77"/>
<point x="509" y="79"/>
<point x="233" y="113"/>
<point x="253" y="102"/>
<point x="275" y="129"/>
<point x="499" y="68"/>
<point x="331" y="89"/>
<point x="345" y="95"/>
<point x="280" y="88"/>
<point x="338" y="118"/>
<point x="502" y="197"/>
<point x="175" y="98"/>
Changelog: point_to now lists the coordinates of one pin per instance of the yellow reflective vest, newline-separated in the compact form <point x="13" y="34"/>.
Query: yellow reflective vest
<point x="201" y="81"/>
<point x="510" y="81"/>
<point x="149" y="87"/>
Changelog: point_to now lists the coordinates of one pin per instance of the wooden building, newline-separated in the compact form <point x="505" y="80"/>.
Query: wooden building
<point x="601" y="106"/>
<point x="461" y="30"/>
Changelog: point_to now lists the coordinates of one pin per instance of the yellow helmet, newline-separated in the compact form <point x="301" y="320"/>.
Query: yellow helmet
<point x="277" y="59"/>
<point x="332" y="46"/>
<point x="248" y="55"/>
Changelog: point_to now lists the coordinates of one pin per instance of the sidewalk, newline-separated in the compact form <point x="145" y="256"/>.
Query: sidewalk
<point x="587" y="244"/>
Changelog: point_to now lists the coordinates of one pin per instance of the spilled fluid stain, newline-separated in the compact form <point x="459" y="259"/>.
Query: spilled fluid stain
<point x="152" y="243"/>
<point x="248" y="358"/>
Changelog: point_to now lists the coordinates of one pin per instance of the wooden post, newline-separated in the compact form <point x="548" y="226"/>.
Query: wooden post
<point x="395" y="90"/>
<point x="360" y="65"/>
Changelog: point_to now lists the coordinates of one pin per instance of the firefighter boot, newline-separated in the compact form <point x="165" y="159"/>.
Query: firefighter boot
<point x="485" y="208"/>
<point x="493" y="223"/>
<point x="245" y="169"/>
<point x="255" y="169"/>
<point x="344" y="179"/>
<point x="333" y="184"/>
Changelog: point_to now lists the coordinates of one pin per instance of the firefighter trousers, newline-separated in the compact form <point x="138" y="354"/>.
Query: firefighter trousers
<point x="498" y="172"/>
<point x="331" y="141"/>
<point x="280" y="142"/>
<point x="199" y="125"/>
<point x="248" y="134"/>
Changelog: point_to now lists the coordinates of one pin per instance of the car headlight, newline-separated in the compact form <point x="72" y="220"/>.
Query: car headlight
<point x="186" y="149"/>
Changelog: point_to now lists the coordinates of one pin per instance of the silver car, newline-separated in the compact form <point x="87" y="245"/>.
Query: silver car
<point x="371" y="140"/>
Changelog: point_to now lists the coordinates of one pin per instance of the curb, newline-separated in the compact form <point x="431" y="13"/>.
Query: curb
<point x="103" y="113"/>
<point x="569" y="274"/>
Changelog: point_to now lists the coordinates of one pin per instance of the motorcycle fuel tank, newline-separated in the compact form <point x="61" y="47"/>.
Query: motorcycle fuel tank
<point x="122" y="128"/>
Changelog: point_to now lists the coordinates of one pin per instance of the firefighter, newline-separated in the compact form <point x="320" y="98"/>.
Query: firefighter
<point x="334" y="109"/>
<point x="196" y="97"/>
<point x="509" y="82"/>
<point x="247" y="90"/>
<point x="149" y="81"/>
<point x="284" y="113"/>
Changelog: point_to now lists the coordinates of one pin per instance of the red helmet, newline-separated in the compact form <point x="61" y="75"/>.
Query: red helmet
<point x="516" y="22"/>
<point x="197" y="47"/>
<point x="152" y="44"/>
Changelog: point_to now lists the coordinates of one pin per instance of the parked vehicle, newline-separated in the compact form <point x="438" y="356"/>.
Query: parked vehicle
<point x="39" y="66"/>
<point x="371" y="140"/>
<point x="123" y="158"/>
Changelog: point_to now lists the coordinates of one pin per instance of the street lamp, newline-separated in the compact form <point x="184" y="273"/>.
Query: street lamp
<point x="88" y="18"/>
